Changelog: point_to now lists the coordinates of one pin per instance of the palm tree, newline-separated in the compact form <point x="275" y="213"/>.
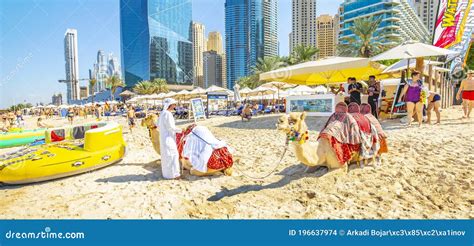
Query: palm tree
<point x="92" y="83"/>
<point x="268" y="64"/>
<point x="366" y="42"/>
<point x="114" y="82"/>
<point x="251" y="81"/>
<point x="160" y="85"/>
<point x="144" y="88"/>
<point x="302" y="53"/>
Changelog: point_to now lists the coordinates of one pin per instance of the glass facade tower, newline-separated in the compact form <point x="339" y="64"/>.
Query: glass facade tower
<point x="251" y="33"/>
<point x="155" y="41"/>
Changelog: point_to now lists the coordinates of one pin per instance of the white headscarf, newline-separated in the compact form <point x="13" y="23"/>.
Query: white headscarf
<point x="168" y="102"/>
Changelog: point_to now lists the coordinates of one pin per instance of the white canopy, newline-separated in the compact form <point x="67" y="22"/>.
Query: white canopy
<point x="410" y="50"/>
<point x="170" y="94"/>
<point x="277" y="85"/>
<point x="301" y="90"/>
<point x="215" y="88"/>
<point x="403" y="64"/>
<point x="198" y="90"/>
<point x="262" y="91"/>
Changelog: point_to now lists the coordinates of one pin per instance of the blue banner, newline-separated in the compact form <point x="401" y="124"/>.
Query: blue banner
<point x="237" y="232"/>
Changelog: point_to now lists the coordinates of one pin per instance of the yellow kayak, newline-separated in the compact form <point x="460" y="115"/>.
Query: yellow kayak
<point x="100" y="147"/>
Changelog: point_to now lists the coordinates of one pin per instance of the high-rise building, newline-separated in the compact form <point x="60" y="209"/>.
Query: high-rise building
<point x="251" y="34"/>
<point x="213" y="66"/>
<point x="303" y="24"/>
<point x="72" y="65"/>
<point x="326" y="38"/>
<point x="398" y="18"/>
<point x="427" y="11"/>
<point x="214" y="42"/>
<point x="104" y="67"/>
<point x="156" y="42"/>
<point x="83" y="92"/>
<point x="198" y="39"/>
<point x="57" y="99"/>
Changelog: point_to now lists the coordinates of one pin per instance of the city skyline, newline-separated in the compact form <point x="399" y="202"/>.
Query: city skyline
<point x="34" y="66"/>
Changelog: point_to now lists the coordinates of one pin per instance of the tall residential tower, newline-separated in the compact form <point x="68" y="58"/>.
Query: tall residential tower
<point x="326" y="30"/>
<point x="251" y="34"/>
<point x="72" y="65"/>
<point x="198" y="39"/>
<point x="303" y="24"/>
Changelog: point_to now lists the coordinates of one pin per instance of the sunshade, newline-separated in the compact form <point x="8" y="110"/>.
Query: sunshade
<point x="215" y="88"/>
<point x="301" y="90"/>
<point x="126" y="93"/>
<point x="402" y="65"/>
<point x="262" y="91"/>
<point x="411" y="50"/>
<point x="325" y="71"/>
<point x="277" y="85"/>
<point x="197" y="91"/>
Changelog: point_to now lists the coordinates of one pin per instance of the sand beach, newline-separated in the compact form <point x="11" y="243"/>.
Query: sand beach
<point x="428" y="174"/>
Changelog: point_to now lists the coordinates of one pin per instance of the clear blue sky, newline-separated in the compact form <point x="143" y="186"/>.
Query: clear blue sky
<point x="32" y="32"/>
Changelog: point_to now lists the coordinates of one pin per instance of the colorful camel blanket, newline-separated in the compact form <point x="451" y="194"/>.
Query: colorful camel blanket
<point x="366" y="110"/>
<point x="198" y="145"/>
<point x="370" y="144"/>
<point x="342" y="132"/>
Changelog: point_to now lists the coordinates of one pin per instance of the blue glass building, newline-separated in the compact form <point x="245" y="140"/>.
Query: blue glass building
<point x="251" y="33"/>
<point x="398" y="18"/>
<point x="155" y="41"/>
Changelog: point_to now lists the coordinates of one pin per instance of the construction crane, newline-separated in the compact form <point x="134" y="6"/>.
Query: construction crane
<point x="67" y="81"/>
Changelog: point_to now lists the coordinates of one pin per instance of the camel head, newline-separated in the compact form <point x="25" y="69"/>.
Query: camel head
<point x="294" y="126"/>
<point x="149" y="121"/>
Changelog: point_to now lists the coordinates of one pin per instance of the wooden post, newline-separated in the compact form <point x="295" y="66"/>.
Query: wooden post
<point x="430" y="76"/>
<point x="436" y="81"/>
<point x="420" y="64"/>
<point x="443" y="91"/>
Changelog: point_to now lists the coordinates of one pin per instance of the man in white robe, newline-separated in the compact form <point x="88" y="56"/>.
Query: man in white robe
<point x="168" y="147"/>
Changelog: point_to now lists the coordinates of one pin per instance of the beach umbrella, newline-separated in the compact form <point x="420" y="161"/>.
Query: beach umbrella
<point x="198" y="91"/>
<point x="237" y="97"/>
<point x="403" y="64"/>
<point x="321" y="89"/>
<point x="326" y="71"/>
<point x="215" y="88"/>
<point x="301" y="90"/>
<point x="170" y="94"/>
<point x="411" y="50"/>
<point x="126" y="93"/>
<point x="279" y="86"/>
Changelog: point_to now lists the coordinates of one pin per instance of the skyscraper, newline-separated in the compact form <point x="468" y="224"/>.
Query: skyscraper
<point x="251" y="34"/>
<point x="326" y="38"/>
<point x="214" y="42"/>
<point x="427" y="11"/>
<point x="72" y="65"/>
<point x="199" y="46"/>
<point x="104" y="67"/>
<point x="156" y="42"/>
<point x="399" y="18"/>
<point x="303" y="15"/>
<point x="213" y="66"/>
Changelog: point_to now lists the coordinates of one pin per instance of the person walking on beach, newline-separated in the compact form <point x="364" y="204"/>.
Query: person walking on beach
<point x="412" y="92"/>
<point x="70" y="115"/>
<point x="168" y="147"/>
<point x="355" y="89"/>
<point x="434" y="103"/>
<point x="374" y="93"/>
<point x="131" y="118"/>
<point x="467" y="91"/>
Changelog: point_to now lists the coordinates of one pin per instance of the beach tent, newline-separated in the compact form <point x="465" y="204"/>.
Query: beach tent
<point x="326" y="71"/>
<point x="198" y="91"/>
<point x="321" y="89"/>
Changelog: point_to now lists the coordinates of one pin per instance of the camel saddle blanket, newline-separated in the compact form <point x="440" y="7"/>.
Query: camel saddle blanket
<point x="198" y="145"/>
